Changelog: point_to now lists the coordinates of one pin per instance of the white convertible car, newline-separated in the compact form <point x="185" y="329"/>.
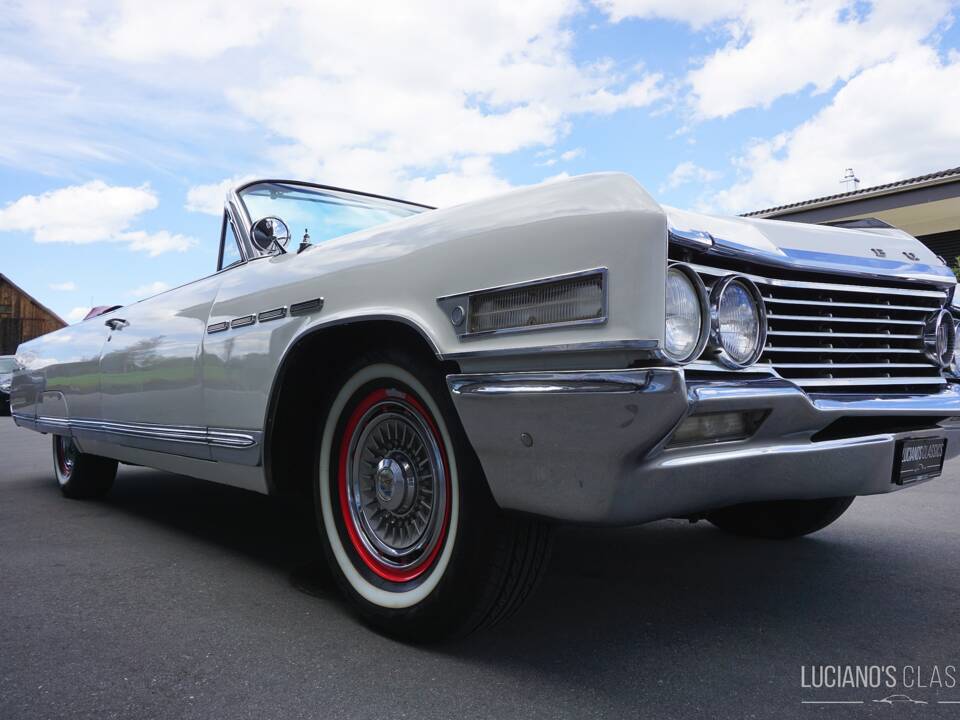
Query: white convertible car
<point x="444" y="385"/>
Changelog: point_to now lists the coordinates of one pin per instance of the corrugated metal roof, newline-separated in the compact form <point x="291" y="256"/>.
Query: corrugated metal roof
<point x="928" y="179"/>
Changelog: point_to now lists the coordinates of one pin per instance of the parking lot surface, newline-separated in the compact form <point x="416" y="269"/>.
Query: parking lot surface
<point x="175" y="598"/>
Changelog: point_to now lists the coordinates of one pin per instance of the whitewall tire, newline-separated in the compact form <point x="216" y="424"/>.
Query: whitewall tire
<point x="411" y="532"/>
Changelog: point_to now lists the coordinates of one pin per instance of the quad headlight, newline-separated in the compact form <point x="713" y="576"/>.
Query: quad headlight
<point x="955" y="365"/>
<point x="940" y="339"/>
<point x="686" y="325"/>
<point x="738" y="321"/>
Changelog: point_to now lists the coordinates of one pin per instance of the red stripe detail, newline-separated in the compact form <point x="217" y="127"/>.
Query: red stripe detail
<point x="62" y="455"/>
<point x="388" y="572"/>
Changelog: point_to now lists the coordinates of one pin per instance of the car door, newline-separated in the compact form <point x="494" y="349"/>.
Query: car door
<point x="150" y="372"/>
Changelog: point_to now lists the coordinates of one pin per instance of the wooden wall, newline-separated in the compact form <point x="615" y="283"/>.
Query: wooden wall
<point x="22" y="318"/>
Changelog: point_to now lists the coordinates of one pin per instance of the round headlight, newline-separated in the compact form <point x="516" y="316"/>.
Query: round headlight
<point x="739" y="321"/>
<point x="955" y="365"/>
<point x="940" y="338"/>
<point x="685" y="332"/>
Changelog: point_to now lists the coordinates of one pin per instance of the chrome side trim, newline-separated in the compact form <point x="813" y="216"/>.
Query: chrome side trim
<point x="234" y="445"/>
<point x="555" y="383"/>
<point x="646" y="348"/>
<point x="243" y="321"/>
<point x="307" y="306"/>
<point x="217" y="327"/>
<point x="449" y="303"/>
<point x="275" y="314"/>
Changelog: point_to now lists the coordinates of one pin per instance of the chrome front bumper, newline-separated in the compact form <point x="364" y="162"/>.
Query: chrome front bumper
<point x="592" y="446"/>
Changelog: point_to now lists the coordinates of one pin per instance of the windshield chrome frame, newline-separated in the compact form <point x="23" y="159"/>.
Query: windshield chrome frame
<point x="235" y="204"/>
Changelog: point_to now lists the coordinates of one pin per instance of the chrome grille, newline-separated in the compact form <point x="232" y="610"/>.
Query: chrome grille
<point x="839" y="337"/>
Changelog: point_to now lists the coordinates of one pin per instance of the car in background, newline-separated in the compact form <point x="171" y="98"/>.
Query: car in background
<point x="8" y="363"/>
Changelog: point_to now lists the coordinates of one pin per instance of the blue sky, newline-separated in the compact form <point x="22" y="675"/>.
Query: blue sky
<point x="123" y="122"/>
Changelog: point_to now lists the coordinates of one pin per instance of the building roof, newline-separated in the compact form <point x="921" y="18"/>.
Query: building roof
<point x="11" y="283"/>
<point x="935" y="178"/>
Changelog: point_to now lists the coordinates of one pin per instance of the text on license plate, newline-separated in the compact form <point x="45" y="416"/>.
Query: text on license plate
<point x="918" y="459"/>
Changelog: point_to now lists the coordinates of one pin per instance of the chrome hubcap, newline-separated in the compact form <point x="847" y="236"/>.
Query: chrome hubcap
<point x="396" y="484"/>
<point x="66" y="455"/>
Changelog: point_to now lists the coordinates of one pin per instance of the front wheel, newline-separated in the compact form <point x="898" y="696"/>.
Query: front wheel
<point x="81" y="476"/>
<point x="780" y="519"/>
<point x="411" y="531"/>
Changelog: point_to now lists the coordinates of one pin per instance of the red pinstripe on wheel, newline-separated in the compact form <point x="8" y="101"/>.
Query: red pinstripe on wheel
<point x="384" y="570"/>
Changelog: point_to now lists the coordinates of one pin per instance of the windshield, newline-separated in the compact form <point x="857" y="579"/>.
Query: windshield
<point x="324" y="214"/>
<point x="7" y="365"/>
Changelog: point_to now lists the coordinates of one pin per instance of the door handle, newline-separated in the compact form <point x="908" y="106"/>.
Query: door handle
<point x="116" y="323"/>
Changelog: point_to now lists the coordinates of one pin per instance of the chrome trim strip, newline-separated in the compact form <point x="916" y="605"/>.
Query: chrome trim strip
<point x="835" y="319"/>
<point x="463" y="300"/>
<point x="831" y="264"/>
<point x="217" y="327"/>
<point x="550" y="383"/>
<point x="858" y="381"/>
<point x="847" y="366"/>
<point x="841" y="287"/>
<point x="807" y="333"/>
<point x="821" y="350"/>
<point x="307" y="306"/>
<point x="867" y="306"/>
<point x="275" y="314"/>
<point x="243" y="321"/>
<point x="178" y="434"/>
<point x="646" y="348"/>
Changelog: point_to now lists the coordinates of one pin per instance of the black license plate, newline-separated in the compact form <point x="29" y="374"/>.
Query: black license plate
<point x="918" y="459"/>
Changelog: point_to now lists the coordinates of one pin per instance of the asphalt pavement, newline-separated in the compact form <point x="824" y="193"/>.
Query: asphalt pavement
<point x="176" y="598"/>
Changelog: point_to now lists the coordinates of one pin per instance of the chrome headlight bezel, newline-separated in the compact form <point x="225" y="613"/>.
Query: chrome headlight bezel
<point x="939" y="347"/>
<point x="716" y="343"/>
<point x="954" y="367"/>
<point x="703" y="300"/>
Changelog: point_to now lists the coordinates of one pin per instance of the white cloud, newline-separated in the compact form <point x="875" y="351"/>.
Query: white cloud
<point x="64" y="286"/>
<point x="157" y="243"/>
<point x="143" y="32"/>
<point x="87" y="213"/>
<point x="77" y="314"/>
<point x="688" y="172"/>
<point x="473" y="178"/>
<point x="154" y="288"/>
<point x="571" y="154"/>
<point x="385" y="105"/>
<point x="696" y="13"/>
<point x="210" y="198"/>
<point x="779" y="47"/>
<point x="892" y="121"/>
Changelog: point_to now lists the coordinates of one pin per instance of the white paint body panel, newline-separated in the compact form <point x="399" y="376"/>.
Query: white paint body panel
<point x="164" y="368"/>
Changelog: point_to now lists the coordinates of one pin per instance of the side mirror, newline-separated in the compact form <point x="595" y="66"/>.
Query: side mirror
<point x="270" y="232"/>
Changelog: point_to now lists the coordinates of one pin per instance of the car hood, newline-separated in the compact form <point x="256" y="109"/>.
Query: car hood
<point x="881" y="252"/>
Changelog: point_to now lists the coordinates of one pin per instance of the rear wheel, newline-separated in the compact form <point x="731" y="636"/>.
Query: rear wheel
<point x="412" y="533"/>
<point x="79" y="475"/>
<point x="780" y="519"/>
